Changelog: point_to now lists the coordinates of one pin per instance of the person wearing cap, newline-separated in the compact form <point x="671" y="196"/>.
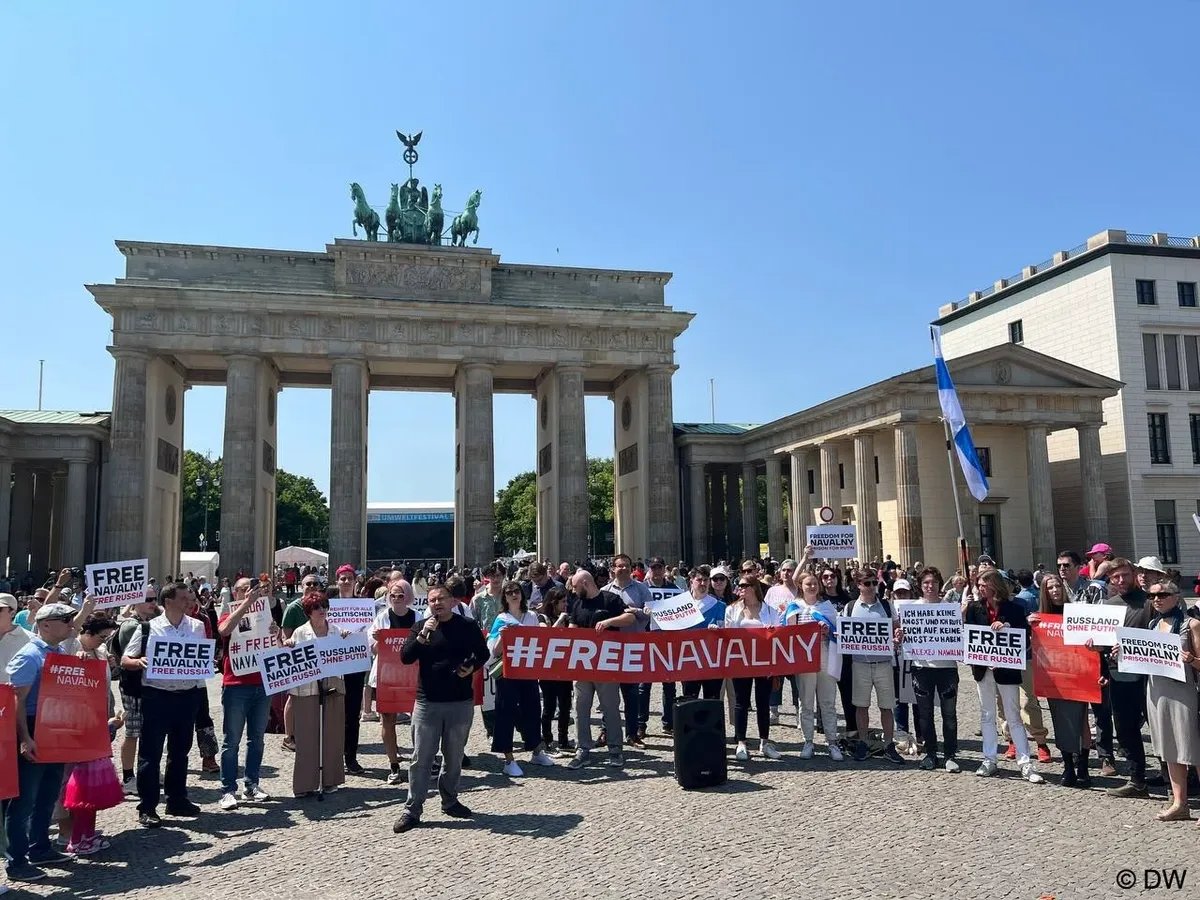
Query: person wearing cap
<point x="1150" y="571"/>
<point x="137" y="617"/>
<point x="658" y="579"/>
<point x="25" y="617"/>
<point x="1096" y="557"/>
<point x="354" y="682"/>
<point x="168" y="709"/>
<point x="12" y="636"/>
<point x="902" y="592"/>
<point x="872" y="674"/>
<point x="27" y="818"/>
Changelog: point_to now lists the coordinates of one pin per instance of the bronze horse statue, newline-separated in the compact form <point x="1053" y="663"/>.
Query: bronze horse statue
<point x="363" y="214"/>
<point x="466" y="222"/>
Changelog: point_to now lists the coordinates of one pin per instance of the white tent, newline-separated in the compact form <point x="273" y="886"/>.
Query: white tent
<point x="202" y="565"/>
<point x="522" y="556"/>
<point x="302" y="556"/>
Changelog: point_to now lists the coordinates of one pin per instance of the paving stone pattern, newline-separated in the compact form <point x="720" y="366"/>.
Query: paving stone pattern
<point x="783" y="829"/>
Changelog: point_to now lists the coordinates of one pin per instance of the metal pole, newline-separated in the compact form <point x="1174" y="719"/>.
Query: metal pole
<point x="962" y="541"/>
<point x="41" y="372"/>
<point x="712" y="399"/>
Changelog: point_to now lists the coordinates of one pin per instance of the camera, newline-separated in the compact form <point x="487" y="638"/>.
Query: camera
<point x="76" y="572"/>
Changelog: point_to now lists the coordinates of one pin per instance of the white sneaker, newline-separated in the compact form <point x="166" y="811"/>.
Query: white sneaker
<point x="395" y="777"/>
<point x="835" y="753"/>
<point x="512" y="770"/>
<point x="806" y="752"/>
<point x="228" y="801"/>
<point x="540" y="758"/>
<point x="1028" y="773"/>
<point x="987" y="768"/>
<point x="768" y="750"/>
<point x="953" y="767"/>
<point x="742" y="754"/>
<point x="255" y="794"/>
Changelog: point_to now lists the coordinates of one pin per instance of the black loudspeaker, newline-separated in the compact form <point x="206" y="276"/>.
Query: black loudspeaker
<point x="700" y="743"/>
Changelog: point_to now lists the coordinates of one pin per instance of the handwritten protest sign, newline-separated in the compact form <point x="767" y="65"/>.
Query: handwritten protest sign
<point x="932" y="631"/>
<point x="865" y="637"/>
<point x="118" y="583"/>
<point x="1090" y="621"/>
<point x="253" y="636"/>
<point x="1145" y="652"/>
<point x="289" y="667"/>
<point x="675" y="613"/>
<point x="172" y="659"/>
<point x="996" y="649"/>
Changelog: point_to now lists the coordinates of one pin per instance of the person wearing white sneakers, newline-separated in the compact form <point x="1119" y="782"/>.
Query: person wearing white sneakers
<point x="820" y="688"/>
<point x="749" y="611"/>
<point x="993" y="608"/>
<point x="518" y="705"/>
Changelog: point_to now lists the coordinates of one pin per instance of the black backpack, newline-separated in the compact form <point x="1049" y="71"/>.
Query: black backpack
<point x="129" y="680"/>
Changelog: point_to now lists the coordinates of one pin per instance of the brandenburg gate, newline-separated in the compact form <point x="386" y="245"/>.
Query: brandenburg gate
<point x="385" y="315"/>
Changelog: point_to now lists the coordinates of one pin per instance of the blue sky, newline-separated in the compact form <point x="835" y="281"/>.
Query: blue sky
<point x="820" y="178"/>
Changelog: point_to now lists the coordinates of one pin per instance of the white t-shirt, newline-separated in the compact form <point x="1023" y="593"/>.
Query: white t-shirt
<point x="737" y="616"/>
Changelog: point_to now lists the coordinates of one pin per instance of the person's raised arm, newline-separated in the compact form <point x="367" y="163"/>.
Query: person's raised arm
<point x="226" y="628"/>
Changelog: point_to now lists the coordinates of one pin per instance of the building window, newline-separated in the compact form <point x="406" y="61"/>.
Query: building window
<point x="1016" y="332"/>
<point x="841" y="476"/>
<point x="877" y="476"/>
<point x="1150" y="356"/>
<point x="1168" y="539"/>
<point x="1145" y="293"/>
<point x="1187" y="293"/>
<point x="985" y="459"/>
<point x="989" y="536"/>
<point x="1194" y="427"/>
<point x="812" y="482"/>
<point x="1171" y="351"/>
<point x="1192" y="358"/>
<point x="1160" y="441"/>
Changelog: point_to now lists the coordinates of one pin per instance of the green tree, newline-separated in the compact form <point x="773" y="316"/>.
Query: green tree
<point x="516" y="509"/>
<point x="516" y="513"/>
<point x="301" y="510"/>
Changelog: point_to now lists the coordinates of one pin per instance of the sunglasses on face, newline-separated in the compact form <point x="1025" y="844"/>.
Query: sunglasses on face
<point x="745" y="586"/>
<point x="1156" y="594"/>
<point x="512" y="592"/>
<point x="868" y="583"/>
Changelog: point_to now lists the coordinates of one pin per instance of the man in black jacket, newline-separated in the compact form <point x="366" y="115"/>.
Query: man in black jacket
<point x="448" y="649"/>
<point x="1128" y="692"/>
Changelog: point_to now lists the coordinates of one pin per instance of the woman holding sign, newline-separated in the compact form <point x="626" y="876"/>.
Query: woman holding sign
<point x="1069" y="716"/>
<point x="1170" y="704"/>
<point x="994" y="609"/>
<point x="818" y="688"/>
<point x="751" y="612"/>
<point x="319" y="710"/>
<point x="517" y="702"/>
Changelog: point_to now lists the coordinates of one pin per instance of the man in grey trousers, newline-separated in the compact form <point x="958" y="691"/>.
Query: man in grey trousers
<point x="448" y="649"/>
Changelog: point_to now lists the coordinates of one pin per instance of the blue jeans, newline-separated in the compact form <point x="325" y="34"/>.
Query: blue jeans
<point x="246" y="708"/>
<point x="27" y="823"/>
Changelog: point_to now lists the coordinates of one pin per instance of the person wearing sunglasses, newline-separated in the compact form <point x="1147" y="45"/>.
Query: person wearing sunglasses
<point x="713" y="611"/>
<point x="1171" y="705"/>
<point x="721" y="585"/>
<point x="518" y="705"/>
<point x="1069" y="717"/>
<point x="872" y="674"/>
<point x="319" y="711"/>
<point x="749" y="611"/>
<point x="817" y="689"/>
<point x="779" y="596"/>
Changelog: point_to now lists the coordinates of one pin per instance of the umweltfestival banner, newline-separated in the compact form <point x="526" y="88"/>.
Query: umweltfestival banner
<point x="578" y="654"/>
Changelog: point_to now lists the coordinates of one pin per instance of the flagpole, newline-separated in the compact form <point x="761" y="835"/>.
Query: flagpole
<point x="963" y="556"/>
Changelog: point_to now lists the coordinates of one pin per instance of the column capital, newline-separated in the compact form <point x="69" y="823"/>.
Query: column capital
<point x="128" y="353"/>
<point x="662" y="369"/>
<point x="570" y="368"/>
<point x="477" y="366"/>
<point x="356" y="361"/>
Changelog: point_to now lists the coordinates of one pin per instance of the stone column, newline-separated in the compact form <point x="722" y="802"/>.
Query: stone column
<point x="1041" y="495"/>
<point x="1091" y="471"/>
<point x="573" y="506"/>
<point x="125" y="514"/>
<point x="719" y="541"/>
<point x="239" y="466"/>
<point x="797" y="518"/>
<point x="475" y="507"/>
<point x="21" y="526"/>
<point x="58" y="515"/>
<point x="749" y="509"/>
<point x="733" y="514"/>
<point x="831" y="491"/>
<point x="867" y="513"/>
<point x="699" y="514"/>
<point x="908" y="496"/>
<point x="43" y="507"/>
<point x="775" y="535"/>
<point x="6" y="473"/>
<point x="74" y="531"/>
<point x="348" y="464"/>
<point x="662" y="537"/>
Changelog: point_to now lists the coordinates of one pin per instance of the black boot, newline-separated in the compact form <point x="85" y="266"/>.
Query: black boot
<point x="1069" y="778"/>
<point x="1083" y="778"/>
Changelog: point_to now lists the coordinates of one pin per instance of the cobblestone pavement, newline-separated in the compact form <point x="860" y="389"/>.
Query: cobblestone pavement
<point x="781" y="829"/>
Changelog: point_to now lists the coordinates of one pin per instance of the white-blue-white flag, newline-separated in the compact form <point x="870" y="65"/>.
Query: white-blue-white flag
<point x="960" y="434"/>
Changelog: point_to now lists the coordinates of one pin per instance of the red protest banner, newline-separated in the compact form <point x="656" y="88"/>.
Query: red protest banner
<point x="9" y="785"/>
<point x="72" y="710"/>
<point x="577" y="654"/>
<point x="395" y="682"/>
<point x="1062" y="672"/>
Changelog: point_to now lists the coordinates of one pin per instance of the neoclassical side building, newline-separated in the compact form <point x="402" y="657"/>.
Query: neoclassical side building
<point x="877" y="457"/>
